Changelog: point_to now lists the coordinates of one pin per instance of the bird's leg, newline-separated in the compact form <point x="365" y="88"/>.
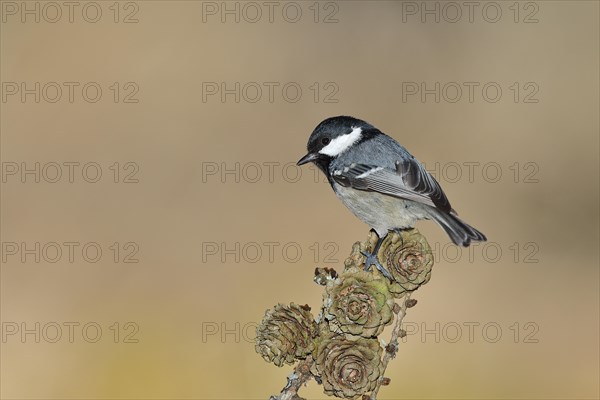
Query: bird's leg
<point x="371" y="259"/>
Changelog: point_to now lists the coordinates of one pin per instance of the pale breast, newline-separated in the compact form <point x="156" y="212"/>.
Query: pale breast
<point x="379" y="211"/>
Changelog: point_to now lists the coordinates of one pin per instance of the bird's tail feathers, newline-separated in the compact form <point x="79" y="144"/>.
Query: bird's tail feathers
<point x="460" y="232"/>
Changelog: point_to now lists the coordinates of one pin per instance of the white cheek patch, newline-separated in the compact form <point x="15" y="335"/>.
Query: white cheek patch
<point x="342" y="143"/>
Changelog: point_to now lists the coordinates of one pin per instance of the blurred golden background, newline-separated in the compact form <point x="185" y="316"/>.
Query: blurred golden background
<point x="152" y="211"/>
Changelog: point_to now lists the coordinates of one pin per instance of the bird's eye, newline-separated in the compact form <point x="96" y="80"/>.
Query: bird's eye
<point x="325" y="141"/>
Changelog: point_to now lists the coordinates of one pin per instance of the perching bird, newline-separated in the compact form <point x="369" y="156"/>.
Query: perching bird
<point x="381" y="182"/>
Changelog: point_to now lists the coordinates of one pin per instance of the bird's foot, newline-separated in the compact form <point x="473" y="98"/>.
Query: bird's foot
<point x="371" y="259"/>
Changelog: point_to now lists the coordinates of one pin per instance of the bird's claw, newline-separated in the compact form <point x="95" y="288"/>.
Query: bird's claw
<point x="371" y="259"/>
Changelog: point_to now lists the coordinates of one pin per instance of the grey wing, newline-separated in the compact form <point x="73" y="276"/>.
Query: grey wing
<point x="409" y="181"/>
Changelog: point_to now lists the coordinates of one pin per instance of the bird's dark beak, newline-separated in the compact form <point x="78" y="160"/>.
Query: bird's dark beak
<point x="307" y="158"/>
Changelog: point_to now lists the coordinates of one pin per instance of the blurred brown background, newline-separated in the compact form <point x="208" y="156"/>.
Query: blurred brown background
<point x="516" y="318"/>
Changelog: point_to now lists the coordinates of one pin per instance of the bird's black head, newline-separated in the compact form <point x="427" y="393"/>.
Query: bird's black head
<point x="333" y="136"/>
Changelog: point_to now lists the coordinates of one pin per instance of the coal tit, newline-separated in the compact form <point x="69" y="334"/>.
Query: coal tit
<point x="381" y="182"/>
